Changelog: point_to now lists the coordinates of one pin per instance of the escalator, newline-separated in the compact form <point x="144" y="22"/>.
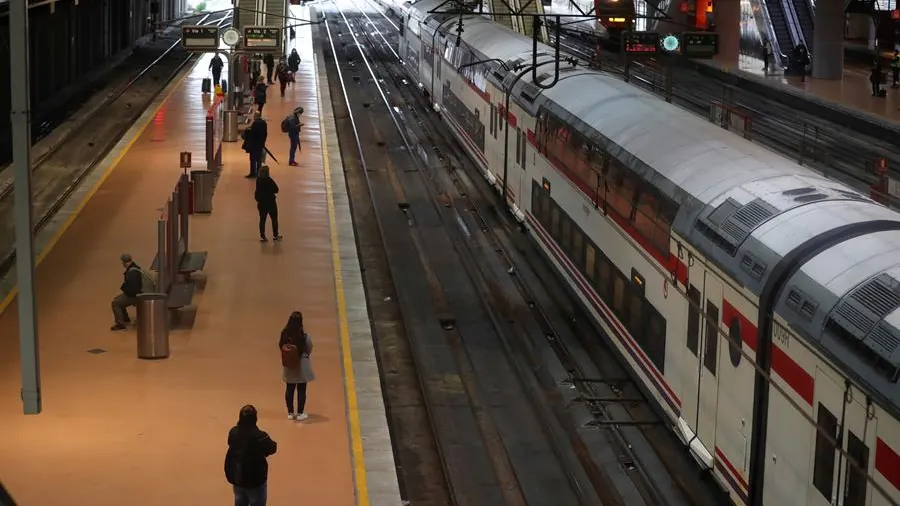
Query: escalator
<point x="780" y="26"/>
<point x="806" y="19"/>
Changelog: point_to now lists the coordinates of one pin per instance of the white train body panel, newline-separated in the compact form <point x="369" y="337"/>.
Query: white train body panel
<point x="621" y="268"/>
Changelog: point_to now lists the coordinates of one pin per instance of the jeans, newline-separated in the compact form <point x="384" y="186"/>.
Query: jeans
<point x="289" y="397"/>
<point x="217" y="76"/>
<point x="255" y="162"/>
<point x="270" y="210"/>
<point x="295" y="145"/>
<point x="119" y="308"/>
<point x="250" y="496"/>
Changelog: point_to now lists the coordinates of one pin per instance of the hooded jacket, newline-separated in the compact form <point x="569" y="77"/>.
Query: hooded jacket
<point x="245" y="461"/>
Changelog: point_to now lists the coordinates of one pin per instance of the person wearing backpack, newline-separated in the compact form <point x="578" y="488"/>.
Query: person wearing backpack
<point x="136" y="281"/>
<point x="295" y="346"/>
<point x="246" y="468"/>
<point x="283" y="74"/>
<point x="291" y="126"/>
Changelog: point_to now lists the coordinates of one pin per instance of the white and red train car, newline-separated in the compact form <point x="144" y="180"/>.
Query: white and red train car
<point x="755" y="300"/>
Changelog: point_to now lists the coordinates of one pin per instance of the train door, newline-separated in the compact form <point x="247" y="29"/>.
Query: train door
<point x="701" y="388"/>
<point x="845" y="415"/>
<point x="437" y="59"/>
<point x="709" y="382"/>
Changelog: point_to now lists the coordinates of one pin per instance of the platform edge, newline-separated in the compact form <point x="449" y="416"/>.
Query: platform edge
<point x="371" y="438"/>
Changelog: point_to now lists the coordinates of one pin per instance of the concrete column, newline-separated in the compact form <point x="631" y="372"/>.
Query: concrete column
<point x="873" y="33"/>
<point x="727" y="17"/>
<point x="828" y="40"/>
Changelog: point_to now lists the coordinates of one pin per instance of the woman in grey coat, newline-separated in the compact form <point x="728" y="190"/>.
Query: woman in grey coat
<point x="296" y="378"/>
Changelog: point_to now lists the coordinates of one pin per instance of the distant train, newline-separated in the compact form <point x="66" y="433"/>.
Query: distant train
<point x="754" y="299"/>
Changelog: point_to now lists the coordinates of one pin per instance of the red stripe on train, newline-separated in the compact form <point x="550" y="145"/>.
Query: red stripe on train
<point x="670" y="262"/>
<point x="887" y="462"/>
<point x="793" y="373"/>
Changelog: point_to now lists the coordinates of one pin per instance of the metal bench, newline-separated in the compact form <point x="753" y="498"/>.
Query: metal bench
<point x="181" y="292"/>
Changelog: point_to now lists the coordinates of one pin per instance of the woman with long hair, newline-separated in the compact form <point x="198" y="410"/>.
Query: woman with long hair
<point x="295" y="346"/>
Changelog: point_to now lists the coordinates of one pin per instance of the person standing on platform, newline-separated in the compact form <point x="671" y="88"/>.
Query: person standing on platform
<point x="215" y="65"/>
<point x="135" y="282"/>
<point x="296" y="346"/>
<point x="294" y="62"/>
<point x="255" y="143"/>
<point x="291" y="126"/>
<point x="767" y="54"/>
<point x="876" y="77"/>
<point x="246" y="468"/>
<point x="266" y="189"/>
<point x="269" y="60"/>
<point x="259" y="94"/>
<point x="895" y="69"/>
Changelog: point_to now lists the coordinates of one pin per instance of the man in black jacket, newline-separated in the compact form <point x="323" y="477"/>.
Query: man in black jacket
<point x="131" y="287"/>
<point x="255" y="143"/>
<point x="246" y="468"/>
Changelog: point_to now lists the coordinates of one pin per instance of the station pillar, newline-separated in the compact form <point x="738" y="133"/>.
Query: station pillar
<point x="828" y="40"/>
<point x="727" y="16"/>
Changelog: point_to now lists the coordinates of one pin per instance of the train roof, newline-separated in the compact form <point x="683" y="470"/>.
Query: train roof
<point x="743" y="206"/>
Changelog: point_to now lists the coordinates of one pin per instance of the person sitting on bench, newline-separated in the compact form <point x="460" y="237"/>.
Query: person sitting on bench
<point x="135" y="282"/>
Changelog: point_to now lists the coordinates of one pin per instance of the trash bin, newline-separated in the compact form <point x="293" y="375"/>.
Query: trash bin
<point x="203" y="190"/>
<point x="152" y="325"/>
<point x="231" y="126"/>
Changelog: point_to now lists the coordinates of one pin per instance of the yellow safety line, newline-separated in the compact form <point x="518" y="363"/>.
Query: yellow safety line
<point x="81" y="205"/>
<point x="356" y="445"/>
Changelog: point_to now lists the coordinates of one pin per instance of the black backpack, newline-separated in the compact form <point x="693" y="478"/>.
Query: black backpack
<point x="286" y="124"/>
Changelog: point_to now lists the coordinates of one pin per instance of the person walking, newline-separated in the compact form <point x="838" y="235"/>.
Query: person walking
<point x="283" y="74"/>
<point x="296" y="347"/>
<point x="291" y="125"/>
<point x="876" y="78"/>
<point x="215" y="65"/>
<point x="135" y="282"/>
<point x="294" y="62"/>
<point x="767" y="55"/>
<point x="259" y="94"/>
<point x="269" y="60"/>
<point x="255" y="143"/>
<point x="246" y="468"/>
<point x="266" y="189"/>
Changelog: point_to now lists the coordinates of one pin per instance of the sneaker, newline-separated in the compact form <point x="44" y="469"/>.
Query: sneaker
<point x="301" y="417"/>
<point x="117" y="326"/>
<point x="279" y="237"/>
<point x="263" y="239"/>
<point x="291" y="416"/>
<point x="293" y="164"/>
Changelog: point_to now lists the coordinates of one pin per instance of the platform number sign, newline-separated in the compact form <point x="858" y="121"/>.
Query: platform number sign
<point x="699" y="44"/>
<point x="264" y="38"/>
<point x="198" y="38"/>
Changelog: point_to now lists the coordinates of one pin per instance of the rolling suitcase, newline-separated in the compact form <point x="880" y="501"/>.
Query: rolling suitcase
<point x="206" y="86"/>
<point x="224" y="86"/>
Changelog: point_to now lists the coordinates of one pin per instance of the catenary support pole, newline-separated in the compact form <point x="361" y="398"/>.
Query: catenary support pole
<point x="20" y="117"/>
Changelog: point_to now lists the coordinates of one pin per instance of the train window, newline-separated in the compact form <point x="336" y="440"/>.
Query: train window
<point x="711" y="351"/>
<point x="823" y="469"/>
<point x="566" y="236"/>
<point x="501" y="119"/>
<point x="518" y="145"/>
<point x="619" y="306"/>
<point x="734" y="341"/>
<point x="577" y="246"/>
<point x="655" y="336"/>
<point x="693" y="323"/>
<point x="524" y="148"/>
<point x="536" y="199"/>
<point x="604" y="277"/>
<point x="855" y="495"/>
<point x="554" y="221"/>
<point x="590" y="257"/>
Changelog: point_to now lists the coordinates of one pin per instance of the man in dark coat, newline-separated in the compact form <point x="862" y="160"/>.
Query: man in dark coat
<point x="131" y="287"/>
<point x="255" y="143"/>
<point x="215" y="65"/>
<point x="246" y="468"/>
<point x="269" y="60"/>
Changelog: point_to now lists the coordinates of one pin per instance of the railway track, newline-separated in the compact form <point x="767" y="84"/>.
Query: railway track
<point x="526" y="403"/>
<point x="828" y="148"/>
<point x="59" y="172"/>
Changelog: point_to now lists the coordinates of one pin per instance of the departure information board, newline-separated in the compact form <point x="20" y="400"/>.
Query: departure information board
<point x="640" y="42"/>
<point x="200" y="37"/>
<point x="699" y="44"/>
<point x="262" y="37"/>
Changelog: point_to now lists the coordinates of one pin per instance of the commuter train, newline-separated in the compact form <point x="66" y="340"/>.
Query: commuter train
<point x="755" y="300"/>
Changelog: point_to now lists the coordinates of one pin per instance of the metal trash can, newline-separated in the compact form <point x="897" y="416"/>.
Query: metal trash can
<point x="203" y="190"/>
<point x="152" y="325"/>
<point x="231" y="126"/>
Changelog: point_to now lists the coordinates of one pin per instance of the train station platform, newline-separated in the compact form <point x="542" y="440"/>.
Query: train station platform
<point x="119" y="430"/>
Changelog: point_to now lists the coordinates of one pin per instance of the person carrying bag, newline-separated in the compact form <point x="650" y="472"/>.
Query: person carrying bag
<point x="295" y="347"/>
